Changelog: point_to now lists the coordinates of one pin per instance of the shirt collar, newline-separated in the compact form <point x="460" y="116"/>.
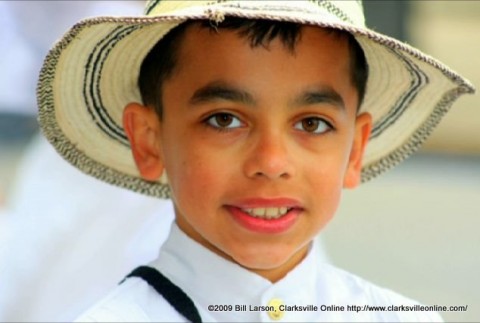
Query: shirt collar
<point x="212" y="280"/>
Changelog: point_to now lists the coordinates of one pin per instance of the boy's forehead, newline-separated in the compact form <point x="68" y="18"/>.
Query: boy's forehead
<point x="318" y="64"/>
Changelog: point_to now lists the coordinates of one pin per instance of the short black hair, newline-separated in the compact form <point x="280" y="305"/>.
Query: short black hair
<point x="162" y="59"/>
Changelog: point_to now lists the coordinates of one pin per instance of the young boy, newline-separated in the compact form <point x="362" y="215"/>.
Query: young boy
<point x="252" y="116"/>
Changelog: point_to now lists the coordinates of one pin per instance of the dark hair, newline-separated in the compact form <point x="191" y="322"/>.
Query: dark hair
<point x="161" y="61"/>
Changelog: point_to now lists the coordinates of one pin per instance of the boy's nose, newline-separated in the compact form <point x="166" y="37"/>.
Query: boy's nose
<point x="269" y="157"/>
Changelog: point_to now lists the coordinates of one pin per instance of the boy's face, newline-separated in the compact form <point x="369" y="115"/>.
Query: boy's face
<point x="254" y="130"/>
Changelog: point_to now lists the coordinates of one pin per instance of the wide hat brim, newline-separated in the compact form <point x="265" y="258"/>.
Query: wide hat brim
<point x="91" y="74"/>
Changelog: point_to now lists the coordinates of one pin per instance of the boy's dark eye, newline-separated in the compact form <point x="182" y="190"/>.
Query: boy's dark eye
<point x="313" y="125"/>
<point x="224" y="120"/>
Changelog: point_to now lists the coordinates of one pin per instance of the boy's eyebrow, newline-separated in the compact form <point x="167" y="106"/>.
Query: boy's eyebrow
<point x="321" y="95"/>
<point x="221" y="91"/>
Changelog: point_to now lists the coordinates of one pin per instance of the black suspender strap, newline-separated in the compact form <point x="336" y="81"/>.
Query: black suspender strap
<point x="172" y="293"/>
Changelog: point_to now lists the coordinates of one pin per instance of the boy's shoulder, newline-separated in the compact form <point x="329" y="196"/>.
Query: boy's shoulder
<point x="359" y="295"/>
<point x="127" y="303"/>
<point x="135" y="301"/>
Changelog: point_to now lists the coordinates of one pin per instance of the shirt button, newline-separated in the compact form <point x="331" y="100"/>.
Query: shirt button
<point x="276" y="314"/>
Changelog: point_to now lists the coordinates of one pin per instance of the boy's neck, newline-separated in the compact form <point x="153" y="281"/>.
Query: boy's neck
<point x="276" y="274"/>
<point x="272" y="274"/>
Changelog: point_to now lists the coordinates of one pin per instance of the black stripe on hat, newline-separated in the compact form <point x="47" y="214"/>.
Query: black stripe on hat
<point x="93" y="74"/>
<point x="418" y="82"/>
<point x="151" y="5"/>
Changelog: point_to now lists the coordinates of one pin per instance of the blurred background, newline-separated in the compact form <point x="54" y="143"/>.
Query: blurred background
<point x="413" y="230"/>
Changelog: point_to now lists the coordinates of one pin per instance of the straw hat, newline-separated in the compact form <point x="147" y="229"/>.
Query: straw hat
<point x="91" y="74"/>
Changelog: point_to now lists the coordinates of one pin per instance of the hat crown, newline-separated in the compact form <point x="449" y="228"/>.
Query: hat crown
<point x="349" y="12"/>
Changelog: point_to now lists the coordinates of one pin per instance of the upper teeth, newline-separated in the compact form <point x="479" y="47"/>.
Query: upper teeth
<point x="267" y="212"/>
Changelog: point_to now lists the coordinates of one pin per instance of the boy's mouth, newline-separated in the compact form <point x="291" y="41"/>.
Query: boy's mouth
<point x="267" y="208"/>
<point x="265" y="219"/>
<point x="267" y="212"/>
<point x="266" y="215"/>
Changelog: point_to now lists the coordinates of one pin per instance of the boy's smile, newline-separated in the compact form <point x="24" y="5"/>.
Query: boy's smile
<point x="257" y="143"/>
<point x="266" y="215"/>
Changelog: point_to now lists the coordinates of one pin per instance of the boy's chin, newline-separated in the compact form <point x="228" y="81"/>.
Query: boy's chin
<point x="270" y="263"/>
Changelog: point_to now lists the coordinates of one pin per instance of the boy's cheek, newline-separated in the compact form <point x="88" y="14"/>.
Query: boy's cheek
<point x="194" y="173"/>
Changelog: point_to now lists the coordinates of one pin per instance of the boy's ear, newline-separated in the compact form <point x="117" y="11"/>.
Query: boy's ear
<point x="142" y="127"/>
<point x="363" y="126"/>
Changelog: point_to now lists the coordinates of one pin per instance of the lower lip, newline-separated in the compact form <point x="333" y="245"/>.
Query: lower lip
<point x="261" y="225"/>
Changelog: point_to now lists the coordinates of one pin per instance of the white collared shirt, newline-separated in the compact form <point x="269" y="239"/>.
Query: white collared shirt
<point x="211" y="281"/>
